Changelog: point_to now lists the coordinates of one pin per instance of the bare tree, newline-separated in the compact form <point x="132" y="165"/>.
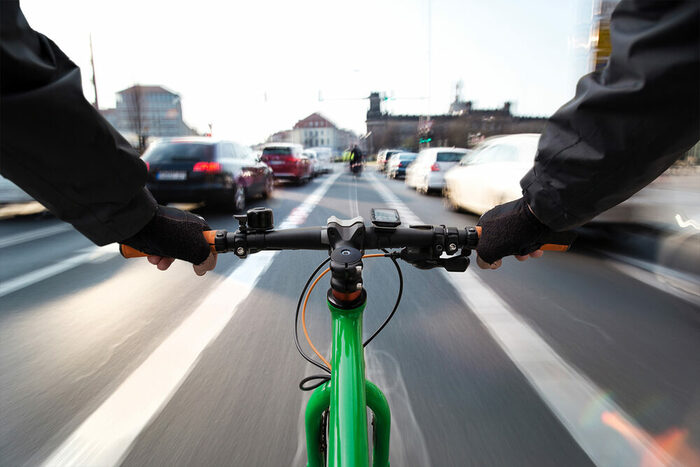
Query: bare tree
<point x="135" y="114"/>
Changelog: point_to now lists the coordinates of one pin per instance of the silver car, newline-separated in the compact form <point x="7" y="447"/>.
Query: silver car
<point x="427" y="173"/>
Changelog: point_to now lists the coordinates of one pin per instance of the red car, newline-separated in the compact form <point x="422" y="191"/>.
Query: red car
<point x="287" y="162"/>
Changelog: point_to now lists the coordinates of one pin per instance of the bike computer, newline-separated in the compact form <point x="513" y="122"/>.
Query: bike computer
<point x="385" y="218"/>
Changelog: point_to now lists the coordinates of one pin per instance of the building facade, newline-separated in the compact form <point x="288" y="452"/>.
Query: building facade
<point x="463" y="126"/>
<point x="147" y="111"/>
<point x="316" y="131"/>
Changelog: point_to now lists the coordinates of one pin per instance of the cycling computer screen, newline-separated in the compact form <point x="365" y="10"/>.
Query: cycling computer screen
<point x="385" y="217"/>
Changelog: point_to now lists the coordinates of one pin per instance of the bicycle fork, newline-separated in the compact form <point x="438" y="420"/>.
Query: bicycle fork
<point x="346" y="396"/>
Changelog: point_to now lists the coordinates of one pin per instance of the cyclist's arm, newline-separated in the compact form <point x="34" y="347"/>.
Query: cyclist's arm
<point x="61" y="151"/>
<point x="626" y="124"/>
<point x="57" y="147"/>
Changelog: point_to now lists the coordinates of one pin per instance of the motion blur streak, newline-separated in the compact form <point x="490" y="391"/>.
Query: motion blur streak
<point x="674" y="441"/>
<point x="689" y="223"/>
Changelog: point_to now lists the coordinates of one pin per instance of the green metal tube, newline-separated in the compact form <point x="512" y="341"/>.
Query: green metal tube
<point x="347" y="427"/>
<point x="319" y="401"/>
<point x="382" y="424"/>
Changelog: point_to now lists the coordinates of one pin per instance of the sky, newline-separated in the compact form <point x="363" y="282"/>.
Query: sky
<point x="254" y="68"/>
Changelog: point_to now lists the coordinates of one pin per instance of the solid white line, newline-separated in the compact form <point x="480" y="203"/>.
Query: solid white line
<point x="105" y="437"/>
<point x="85" y="256"/>
<point x="601" y="428"/>
<point x="36" y="234"/>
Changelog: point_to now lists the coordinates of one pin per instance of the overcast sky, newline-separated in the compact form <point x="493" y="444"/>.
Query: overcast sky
<point x="253" y="68"/>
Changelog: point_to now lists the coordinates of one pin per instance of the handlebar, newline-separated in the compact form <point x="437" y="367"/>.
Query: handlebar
<point x="420" y="242"/>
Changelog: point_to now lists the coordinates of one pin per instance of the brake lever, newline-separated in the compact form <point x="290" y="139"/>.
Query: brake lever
<point x="421" y="259"/>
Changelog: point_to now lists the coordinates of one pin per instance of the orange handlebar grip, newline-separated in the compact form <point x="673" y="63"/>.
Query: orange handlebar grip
<point x="129" y="252"/>
<point x="545" y="247"/>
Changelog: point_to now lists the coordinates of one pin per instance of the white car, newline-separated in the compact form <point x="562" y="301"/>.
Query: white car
<point x="491" y="174"/>
<point x="323" y="158"/>
<point x="315" y="163"/>
<point x="427" y="172"/>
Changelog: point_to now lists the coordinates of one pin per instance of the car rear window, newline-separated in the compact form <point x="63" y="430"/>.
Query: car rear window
<point x="281" y="151"/>
<point x="180" y="152"/>
<point x="449" y="156"/>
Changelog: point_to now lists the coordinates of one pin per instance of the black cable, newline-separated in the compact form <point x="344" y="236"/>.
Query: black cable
<point x="322" y="379"/>
<point x="296" y="326"/>
<point x="393" y="257"/>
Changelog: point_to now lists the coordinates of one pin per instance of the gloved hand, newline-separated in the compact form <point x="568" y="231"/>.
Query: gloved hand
<point x="510" y="229"/>
<point x="174" y="234"/>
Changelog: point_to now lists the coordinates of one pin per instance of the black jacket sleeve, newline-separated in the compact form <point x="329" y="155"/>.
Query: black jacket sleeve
<point x="57" y="147"/>
<point x="627" y="123"/>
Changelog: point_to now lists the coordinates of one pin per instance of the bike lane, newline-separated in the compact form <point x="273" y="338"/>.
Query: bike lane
<point x="457" y="398"/>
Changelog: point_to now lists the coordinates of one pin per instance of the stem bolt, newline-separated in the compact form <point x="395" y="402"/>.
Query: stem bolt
<point x="358" y="269"/>
<point x="358" y="286"/>
<point x="240" y="251"/>
<point x="452" y="247"/>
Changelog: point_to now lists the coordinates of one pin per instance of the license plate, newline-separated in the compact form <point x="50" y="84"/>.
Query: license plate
<point x="171" y="175"/>
<point x="276" y="162"/>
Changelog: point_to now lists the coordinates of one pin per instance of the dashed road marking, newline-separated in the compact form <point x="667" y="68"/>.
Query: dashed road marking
<point x="36" y="234"/>
<point x="87" y="255"/>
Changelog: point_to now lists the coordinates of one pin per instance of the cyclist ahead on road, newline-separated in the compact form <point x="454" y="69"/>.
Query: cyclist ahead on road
<point x="356" y="155"/>
<point x="625" y="126"/>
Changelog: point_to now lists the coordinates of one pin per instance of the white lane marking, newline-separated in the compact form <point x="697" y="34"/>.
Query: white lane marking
<point x="35" y="234"/>
<point x="602" y="429"/>
<point x="86" y="255"/>
<point x="105" y="437"/>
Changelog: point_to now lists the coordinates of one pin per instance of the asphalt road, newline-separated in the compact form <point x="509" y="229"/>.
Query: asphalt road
<point x="81" y="328"/>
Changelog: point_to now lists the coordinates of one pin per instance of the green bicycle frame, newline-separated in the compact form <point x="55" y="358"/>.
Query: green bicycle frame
<point x="346" y="396"/>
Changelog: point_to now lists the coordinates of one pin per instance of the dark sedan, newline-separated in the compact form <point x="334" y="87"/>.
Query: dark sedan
<point x="196" y="169"/>
<point x="396" y="167"/>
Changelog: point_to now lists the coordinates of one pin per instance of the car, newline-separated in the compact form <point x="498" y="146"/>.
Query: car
<point x="396" y="167"/>
<point x="324" y="158"/>
<point x="491" y="174"/>
<point x="427" y="173"/>
<point x="288" y="162"/>
<point x="383" y="157"/>
<point x="315" y="163"/>
<point x="196" y="169"/>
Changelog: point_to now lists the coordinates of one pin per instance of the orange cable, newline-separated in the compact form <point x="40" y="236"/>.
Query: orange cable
<point x="306" y="300"/>
<point x="303" y="318"/>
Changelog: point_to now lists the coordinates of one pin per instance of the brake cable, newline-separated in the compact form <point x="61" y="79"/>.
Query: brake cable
<point x="320" y="379"/>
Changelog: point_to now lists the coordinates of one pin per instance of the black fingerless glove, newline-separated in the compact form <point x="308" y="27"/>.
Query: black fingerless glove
<point x="173" y="233"/>
<point x="510" y="229"/>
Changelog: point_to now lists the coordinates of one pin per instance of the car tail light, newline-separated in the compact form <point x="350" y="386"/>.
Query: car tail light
<point x="148" y="167"/>
<point x="435" y="167"/>
<point x="209" y="167"/>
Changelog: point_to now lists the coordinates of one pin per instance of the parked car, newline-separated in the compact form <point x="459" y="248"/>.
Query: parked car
<point x="288" y="162"/>
<point x="491" y="174"/>
<point x="196" y="169"/>
<point x="428" y="171"/>
<point x="396" y="167"/>
<point x="383" y="157"/>
<point x="324" y="158"/>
